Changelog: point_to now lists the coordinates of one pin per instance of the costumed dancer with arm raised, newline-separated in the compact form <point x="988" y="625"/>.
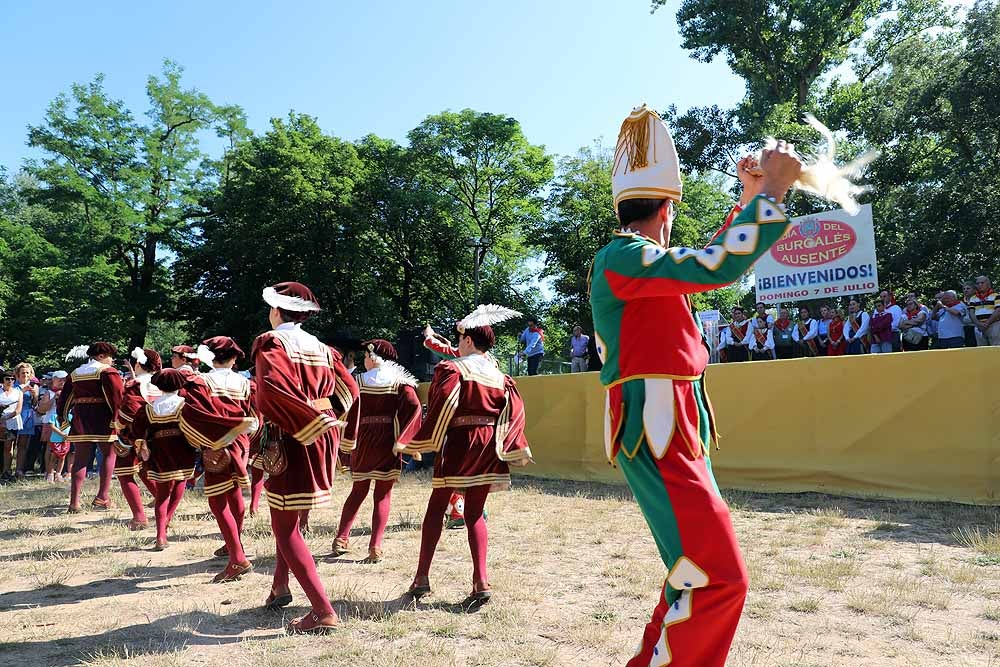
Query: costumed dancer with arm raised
<point x="93" y="393"/>
<point x="298" y="380"/>
<point x="475" y="422"/>
<point x="387" y="410"/>
<point x="658" y="421"/>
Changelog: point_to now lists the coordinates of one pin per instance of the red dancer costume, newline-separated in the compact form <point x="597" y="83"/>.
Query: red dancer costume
<point x="659" y="421"/>
<point x="387" y="410"/>
<point x="139" y="392"/>
<point x="93" y="392"/>
<point x="475" y="421"/>
<point x="156" y="434"/>
<point x="298" y="380"/>
<point x="229" y="396"/>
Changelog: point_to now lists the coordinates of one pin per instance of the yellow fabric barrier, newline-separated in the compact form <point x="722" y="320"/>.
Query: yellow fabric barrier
<point x="917" y="425"/>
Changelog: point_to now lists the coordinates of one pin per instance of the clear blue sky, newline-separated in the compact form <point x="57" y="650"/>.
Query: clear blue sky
<point x="568" y="70"/>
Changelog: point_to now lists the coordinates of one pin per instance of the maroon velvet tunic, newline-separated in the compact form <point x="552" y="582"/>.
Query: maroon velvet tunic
<point x="387" y="410"/>
<point x="475" y="420"/>
<point x="231" y="396"/>
<point x="138" y="393"/>
<point x="302" y="388"/>
<point x="93" y="392"/>
<point x="156" y="428"/>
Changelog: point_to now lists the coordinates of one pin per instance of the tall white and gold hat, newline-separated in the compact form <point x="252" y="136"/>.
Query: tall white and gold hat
<point x="646" y="165"/>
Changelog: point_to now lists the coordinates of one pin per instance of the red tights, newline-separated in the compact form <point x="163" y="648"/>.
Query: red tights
<point x="133" y="496"/>
<point x="79" y="472"/>
<point x="256" y="488"/>
<point x="380" y="512"/>
<point x="293" y="555"/>
<point x="230" y="526"/>
<point x="168" y="497"/>
<point x="475" y="525"/>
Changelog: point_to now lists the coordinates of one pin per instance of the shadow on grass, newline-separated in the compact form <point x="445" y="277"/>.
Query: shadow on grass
<point x="135" y="580"/>
<point x="375" y="610"/>
<point x="164" y="636"/>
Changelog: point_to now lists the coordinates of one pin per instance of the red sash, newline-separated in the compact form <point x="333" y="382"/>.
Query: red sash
<point x="741" y="330"/>
<point x="760" y="333"/>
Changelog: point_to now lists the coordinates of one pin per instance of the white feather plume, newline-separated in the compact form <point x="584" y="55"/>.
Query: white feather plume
<point x="285" y="302"/>
<point x="487" y="315"/>
<point x="205" y="355"/>
<point x="140" y="355"/>
<point x="396" y="374"/>
<point x="824" y="178"/>
<point x="78" y="352"/>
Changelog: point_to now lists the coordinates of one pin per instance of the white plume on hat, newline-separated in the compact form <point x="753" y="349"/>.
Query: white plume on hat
<point x="204" y="355"/>
<point x="140" y="355"/>
<point x="288" y="302"/>
<point x="487" y="315"/>
<point x="824" y="178"/>
<point x="78" y="352"/>
<point x="646" y="164"/>
<point x="397" y="374"/>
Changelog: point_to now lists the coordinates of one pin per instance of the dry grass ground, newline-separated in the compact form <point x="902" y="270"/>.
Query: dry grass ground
<point x="833" y="582"/>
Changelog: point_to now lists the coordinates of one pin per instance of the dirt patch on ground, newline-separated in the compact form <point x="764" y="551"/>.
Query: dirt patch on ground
<point x="834" y="581"/>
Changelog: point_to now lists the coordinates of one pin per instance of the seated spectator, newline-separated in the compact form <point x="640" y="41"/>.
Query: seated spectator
<point x="968" y="328"/>
<point x="761" y="339"/>
<point x="913" y="326"/>
<point x="784" y="344"/>
<point x="881" y="329"/>
<point x="950" y="312"/>
<point x="733" y="338"/>
<point x="985" y="316"/>
<point x="804" y="334"/>
<point x="836" y="344"/>
<point x="857" y="329"/>
<point x="578" y="350"/>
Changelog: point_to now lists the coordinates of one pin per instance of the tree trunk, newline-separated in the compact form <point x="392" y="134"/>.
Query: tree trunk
<point x="141" y="292"/>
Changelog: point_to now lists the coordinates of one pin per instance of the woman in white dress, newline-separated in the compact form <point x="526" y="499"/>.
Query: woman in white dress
<point x="11" y="401"/>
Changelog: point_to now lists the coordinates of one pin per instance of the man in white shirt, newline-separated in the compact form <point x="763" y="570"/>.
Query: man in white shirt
<point x="950" y="312"/>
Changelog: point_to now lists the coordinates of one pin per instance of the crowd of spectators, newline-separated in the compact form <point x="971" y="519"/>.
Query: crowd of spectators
<point x="30" y="431"/>
<point x="951" y="321"/>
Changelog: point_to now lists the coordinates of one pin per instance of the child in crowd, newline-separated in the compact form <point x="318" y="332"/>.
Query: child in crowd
<point x="58" y="447"/>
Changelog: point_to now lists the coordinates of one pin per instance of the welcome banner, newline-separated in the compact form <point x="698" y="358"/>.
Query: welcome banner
<point x="828" y="254"/>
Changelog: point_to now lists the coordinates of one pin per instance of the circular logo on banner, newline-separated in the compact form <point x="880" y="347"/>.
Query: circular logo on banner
<point x="814" y="242"/>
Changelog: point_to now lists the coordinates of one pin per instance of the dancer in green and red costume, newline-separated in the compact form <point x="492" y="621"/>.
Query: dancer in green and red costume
<point x="659" y="422"/>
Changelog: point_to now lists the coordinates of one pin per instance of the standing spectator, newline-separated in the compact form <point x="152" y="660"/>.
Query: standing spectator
<point x="804" y="334"/>
<point x="985" y="316"/>
<point x="28" y="384"/>
<point x="950" y="312"/>
<point x="823" y="330"/>
<point x="914" y="326"/>
<point x="578" y="350"/>
<point x="857" y="329"/>
<point x="733" y="338"/>
<point x="11" y="402"/>
<point x="761" y="309"/>
<point x="968" y="328"/>
<point x="889" y="300"/>
<point x="881" y="329"/>
<point x="784" y="343"/>
<point x="594" y="362"/>
<point x="46" y="412"/>
<point x="533" y="339"/>
<point x="836" y="344"/>
<point x="761" y="338"/>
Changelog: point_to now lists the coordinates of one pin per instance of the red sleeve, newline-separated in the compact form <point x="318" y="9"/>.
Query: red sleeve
<point x="64" y="402"/>
<point x="114" y="389"/>
<point x="205" y="422"/>
<point x="511" y="443"/>
<point x="280" y="399"/>
<point x="441" y="405"/>
<point x="408" y="413"/>
<point x="132" y="403"/>
<point x="349" y="440"/>
<point x="441" y="347"/>
<point x="345" y="393"/>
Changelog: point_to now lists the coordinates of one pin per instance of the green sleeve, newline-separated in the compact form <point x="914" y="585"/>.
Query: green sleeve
<point x="640" y="268"/>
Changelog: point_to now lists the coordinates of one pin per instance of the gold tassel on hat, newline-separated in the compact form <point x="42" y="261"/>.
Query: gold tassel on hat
<point x="633" y="138"/>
